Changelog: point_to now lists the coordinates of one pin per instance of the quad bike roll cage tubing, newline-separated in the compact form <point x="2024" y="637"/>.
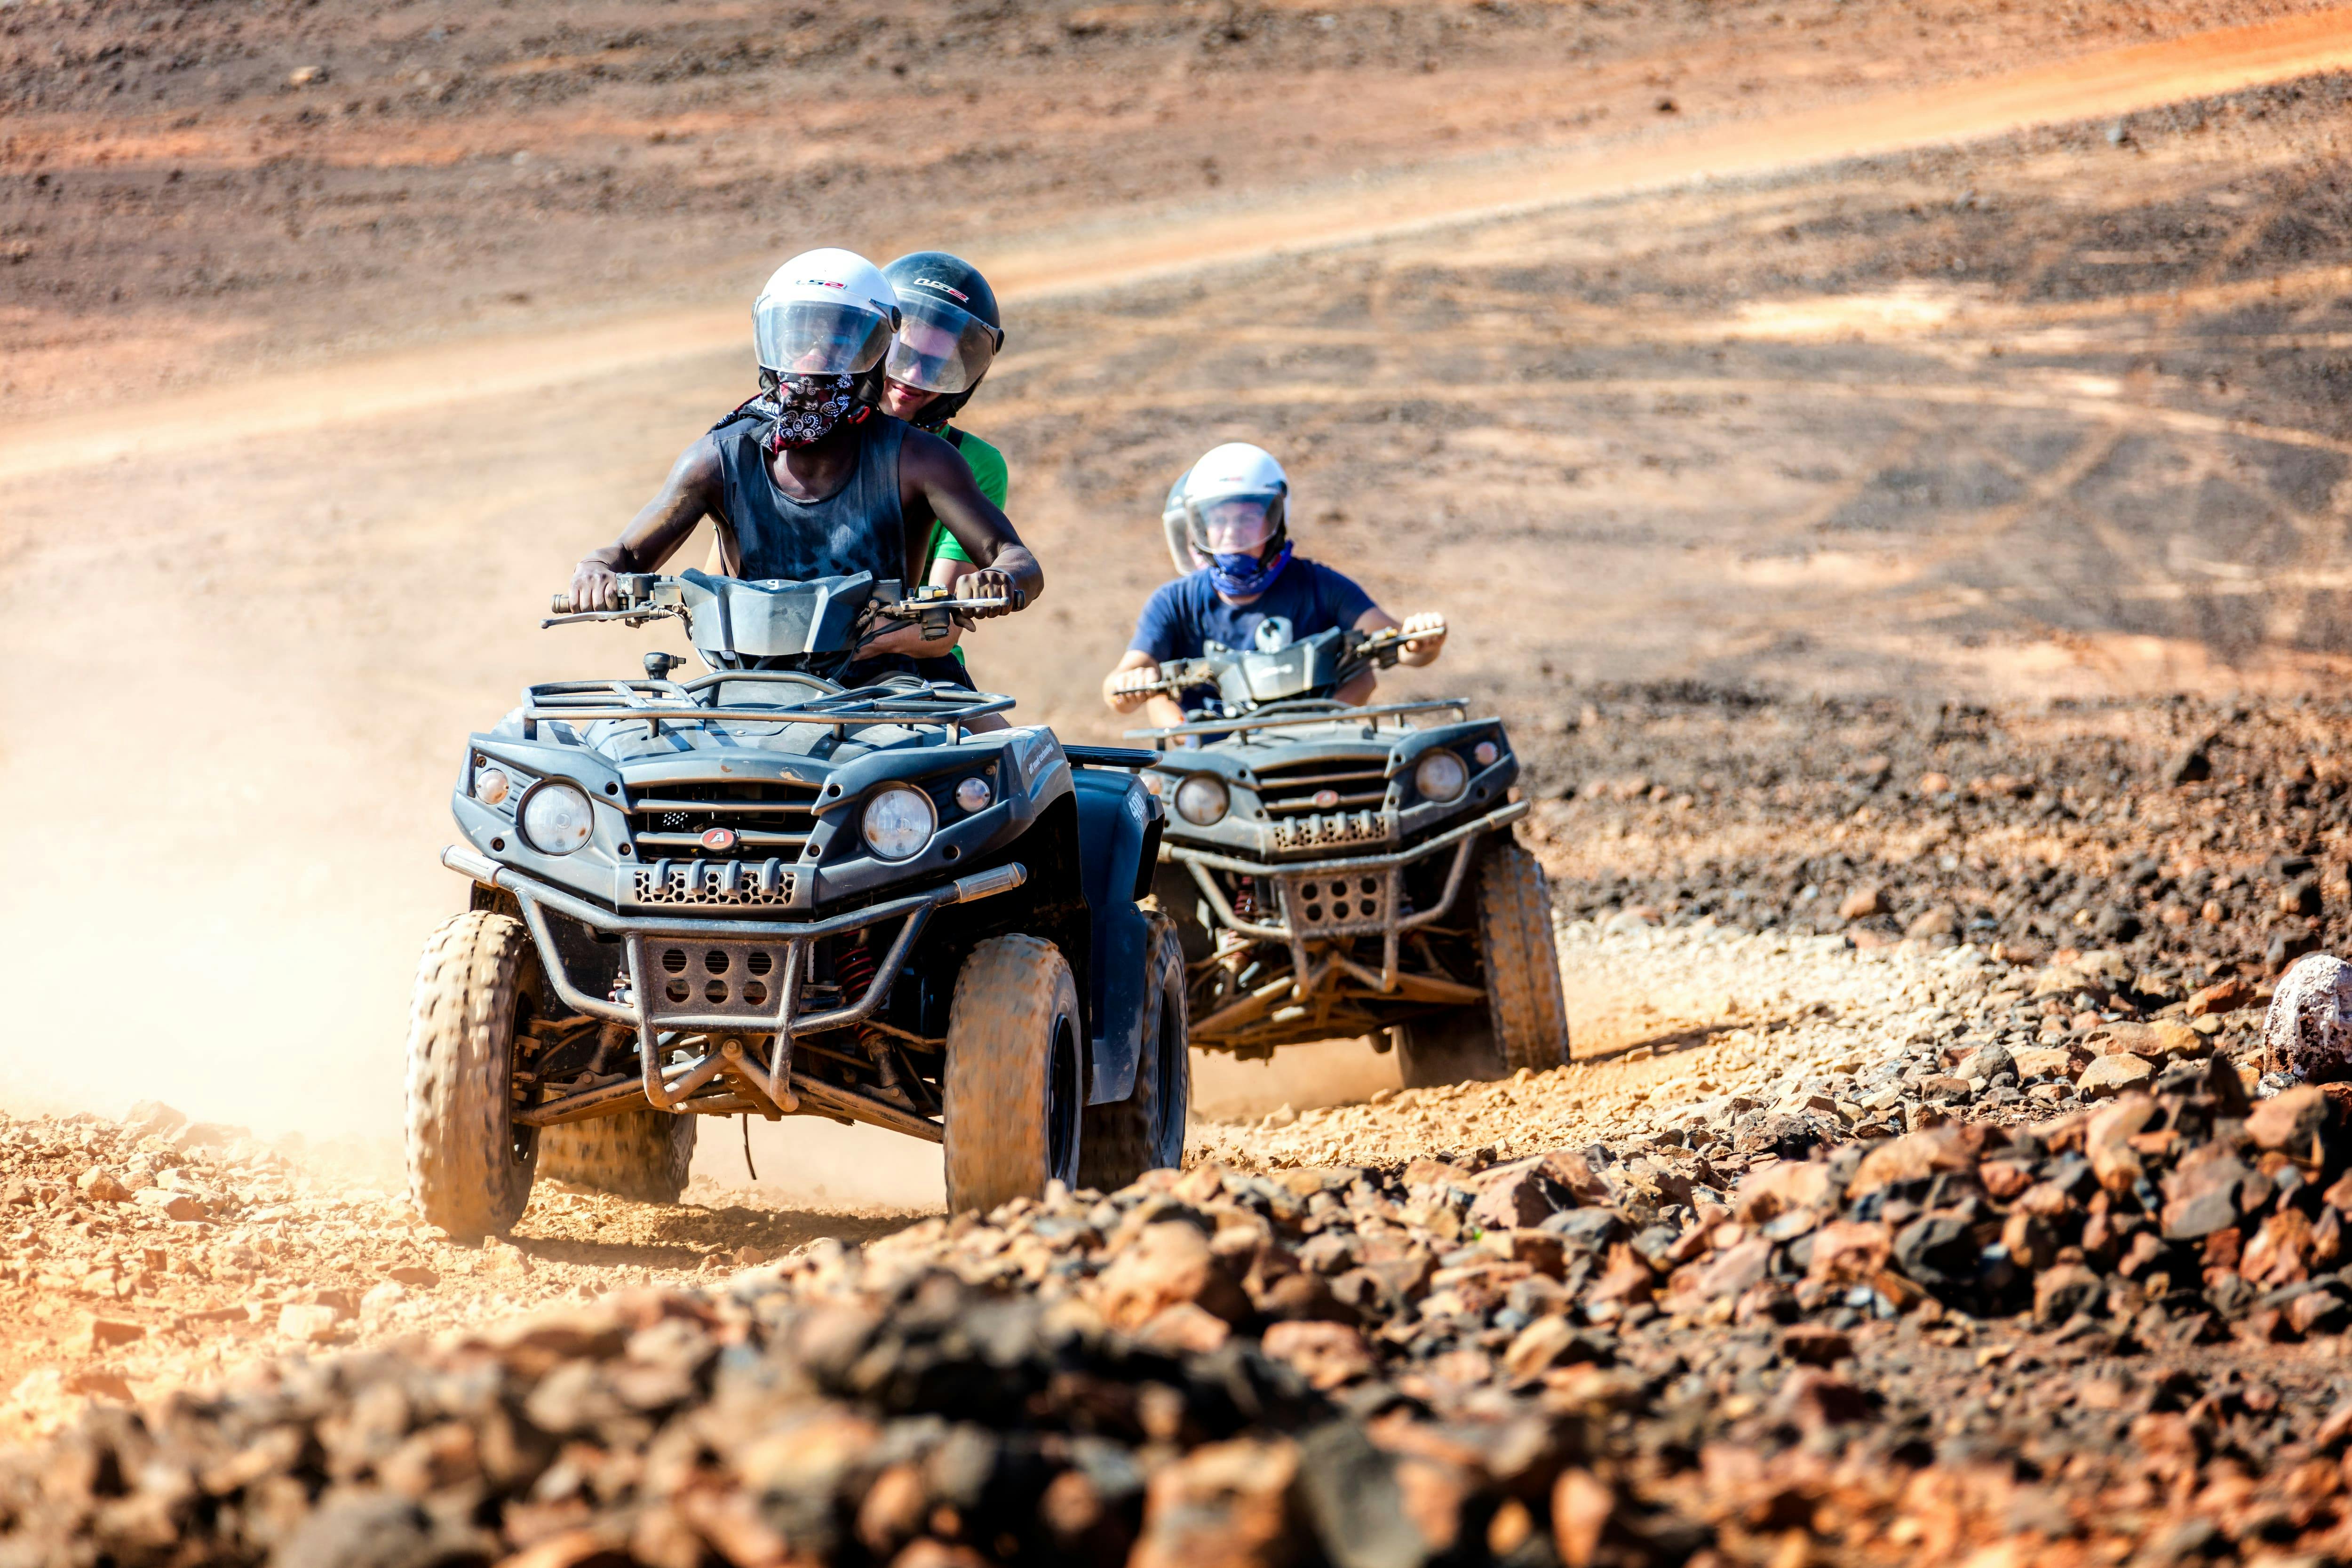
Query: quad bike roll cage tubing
<point x="669" y="1088"/>
<point x="1463" y="840"/>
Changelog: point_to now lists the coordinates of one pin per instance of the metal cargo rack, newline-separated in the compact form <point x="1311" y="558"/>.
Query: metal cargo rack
<point x="659" y="702"/>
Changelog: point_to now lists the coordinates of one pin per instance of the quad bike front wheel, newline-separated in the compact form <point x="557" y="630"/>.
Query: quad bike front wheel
<point x="643" y="1154"/>
<point x="1524" y="1021"/>
<point x="1145" y="1131"/>
<point x="469" y="1165"/>
<point x="1516" y="947"/>
<point x="1014" y="1090"/>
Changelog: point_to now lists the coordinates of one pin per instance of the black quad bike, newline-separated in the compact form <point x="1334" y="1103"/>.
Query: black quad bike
<point x="1339" y="871"/>
<point x="757" y="892"/>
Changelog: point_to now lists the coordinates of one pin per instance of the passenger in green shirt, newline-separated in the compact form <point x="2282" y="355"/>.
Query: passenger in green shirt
<point x="949" y="332"/>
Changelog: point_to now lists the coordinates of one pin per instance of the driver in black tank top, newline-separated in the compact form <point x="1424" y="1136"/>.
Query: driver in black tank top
<point x="810" y="480"/>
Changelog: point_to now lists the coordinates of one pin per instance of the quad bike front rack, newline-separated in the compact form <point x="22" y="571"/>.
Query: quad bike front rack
<point x="656" y="702"/>
<point x="659" y="1001"/>
<point x="1287" y="714"/>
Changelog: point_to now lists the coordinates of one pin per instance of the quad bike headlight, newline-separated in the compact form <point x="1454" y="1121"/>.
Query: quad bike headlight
<point x="1484" y="753"/>
<point x="556" y="818"/>
<point x="900" y="822"/>
<point x="973" y="794"/>
<point x="492" y="786"/>
<point x="1201" y="800"/>
<point x="1440" y="776"/>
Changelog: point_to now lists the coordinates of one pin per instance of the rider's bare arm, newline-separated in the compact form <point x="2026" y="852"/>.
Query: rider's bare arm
<point x="934" y="481"/>
<point x="694" y="490"/>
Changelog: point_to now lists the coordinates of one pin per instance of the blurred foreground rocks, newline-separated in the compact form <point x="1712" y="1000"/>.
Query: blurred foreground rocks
<point x="2115" y="1334"/>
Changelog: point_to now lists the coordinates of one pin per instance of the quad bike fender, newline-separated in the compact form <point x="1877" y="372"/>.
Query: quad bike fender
<point x="1118" y="845"/>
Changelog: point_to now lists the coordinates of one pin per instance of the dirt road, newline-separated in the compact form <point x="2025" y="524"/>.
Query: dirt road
<point x="1840" y="428"/>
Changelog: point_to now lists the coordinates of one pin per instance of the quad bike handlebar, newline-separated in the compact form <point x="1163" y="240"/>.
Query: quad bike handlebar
<point x="636" y="607"/>
<point x="1363" y="651"/>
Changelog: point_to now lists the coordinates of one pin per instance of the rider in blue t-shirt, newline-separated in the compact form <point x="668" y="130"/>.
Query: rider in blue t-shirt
<point x="1252" y="592"/>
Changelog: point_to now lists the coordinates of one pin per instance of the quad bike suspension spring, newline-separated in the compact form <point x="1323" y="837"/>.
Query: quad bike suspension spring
<point x="854" y="966"/>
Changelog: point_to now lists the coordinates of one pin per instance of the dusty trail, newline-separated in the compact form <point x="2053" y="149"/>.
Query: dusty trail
<point x="317" y="581"/>
<point x="1094" y="257"/>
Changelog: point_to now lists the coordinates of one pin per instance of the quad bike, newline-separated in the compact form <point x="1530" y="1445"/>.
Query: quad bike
<point x="1339" y="871"/>
<point x="757" y="892"/>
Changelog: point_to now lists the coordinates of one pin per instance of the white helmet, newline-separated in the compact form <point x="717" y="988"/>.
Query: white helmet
<point x="824" y="313"/>
<point x="1233" y="469"/>
<point x="1235" y="500"/>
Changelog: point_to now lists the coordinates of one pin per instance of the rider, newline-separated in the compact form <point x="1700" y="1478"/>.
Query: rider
<point x="810" y="480"/>
<point x="1254" y="592"/>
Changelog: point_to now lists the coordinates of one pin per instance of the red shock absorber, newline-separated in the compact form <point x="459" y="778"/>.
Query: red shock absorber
<point x="853" y="967"/>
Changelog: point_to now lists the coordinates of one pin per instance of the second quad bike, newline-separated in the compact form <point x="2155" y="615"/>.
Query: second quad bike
<point x="760" y="891"/>
<point x="1337" y="871"/>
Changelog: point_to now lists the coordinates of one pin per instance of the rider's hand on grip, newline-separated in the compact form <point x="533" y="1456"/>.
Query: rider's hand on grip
<point x="1135" y="682"/>
<point x="991" y="583"/>
<point x="1422" y="630"/>
<point x="593" y="587"/>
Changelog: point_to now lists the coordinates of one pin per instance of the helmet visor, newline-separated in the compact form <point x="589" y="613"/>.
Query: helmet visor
<point x="817" y="337"/>
<point x="939" y="347"/>
<point x="1233" y="525"/>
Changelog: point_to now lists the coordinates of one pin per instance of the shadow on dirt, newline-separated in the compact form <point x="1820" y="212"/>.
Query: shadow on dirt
<point x="620" y="1235"/>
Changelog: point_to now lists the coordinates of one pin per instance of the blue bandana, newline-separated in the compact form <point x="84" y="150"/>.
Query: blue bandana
<point x="1245" y="577"/>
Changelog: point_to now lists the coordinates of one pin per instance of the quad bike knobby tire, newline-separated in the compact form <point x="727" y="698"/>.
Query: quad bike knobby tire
<point x="1516" y="947"/>
<point x="642" y="1154"/>
<point x="1145" y="1131"/>
<point x="469" y="1166"/>
<point x="1014" y="1095"/>
<point x="1525" y="1021"/>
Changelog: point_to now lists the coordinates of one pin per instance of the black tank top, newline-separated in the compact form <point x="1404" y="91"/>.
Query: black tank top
<point x="858" y="528"/>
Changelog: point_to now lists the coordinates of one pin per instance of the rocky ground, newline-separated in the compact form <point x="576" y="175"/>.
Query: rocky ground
<point x="1836" y="1243"/>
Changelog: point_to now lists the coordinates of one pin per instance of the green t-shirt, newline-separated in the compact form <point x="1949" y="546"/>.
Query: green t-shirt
<point x="988" y="473"/>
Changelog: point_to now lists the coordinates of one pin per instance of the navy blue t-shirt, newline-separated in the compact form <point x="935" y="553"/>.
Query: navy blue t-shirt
<point x="1184" y="616"/>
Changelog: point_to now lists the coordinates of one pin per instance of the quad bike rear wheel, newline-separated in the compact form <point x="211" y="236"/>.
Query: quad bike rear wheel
<point x="642" y="1154"/>
<point x="1015" y="1093"/>
<point x="469" y="1165"/>
<point x="1145" y="1131"/>
<point x="1523" y="1023"/>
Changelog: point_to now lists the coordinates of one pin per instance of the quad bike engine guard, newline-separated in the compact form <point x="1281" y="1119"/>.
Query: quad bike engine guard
<point x="1315" y="893"/>
<point x="656" y="1006"/>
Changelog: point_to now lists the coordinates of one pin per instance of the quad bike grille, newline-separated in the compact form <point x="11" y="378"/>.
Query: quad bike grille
<point x="769" y="817"/>
<point x="1359" y="903"/>
<point x="1341" y="784"/>
<point x="713" y="977"/>
<point x="715" y="883"/>
<point x="1320" y="831"/>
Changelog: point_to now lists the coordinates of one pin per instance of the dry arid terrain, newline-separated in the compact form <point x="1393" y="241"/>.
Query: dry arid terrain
<point x="1887" y="465"/>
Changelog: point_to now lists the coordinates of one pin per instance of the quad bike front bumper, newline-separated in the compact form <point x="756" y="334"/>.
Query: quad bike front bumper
<point x="1331" y="903"/>
<point x="737" y="984"/>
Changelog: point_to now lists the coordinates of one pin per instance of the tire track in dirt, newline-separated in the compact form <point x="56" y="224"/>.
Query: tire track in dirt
<point x="1084" y="259"/>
